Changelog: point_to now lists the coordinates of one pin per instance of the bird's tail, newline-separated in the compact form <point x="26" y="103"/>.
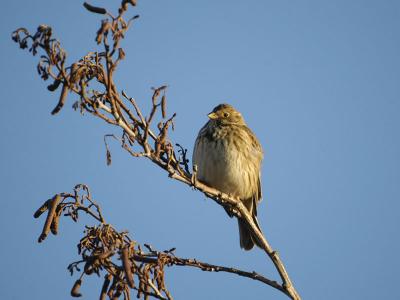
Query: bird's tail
<point x="247" y="240"/>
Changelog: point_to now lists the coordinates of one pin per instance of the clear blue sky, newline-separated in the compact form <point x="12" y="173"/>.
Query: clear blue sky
<point x="317" y="81"/>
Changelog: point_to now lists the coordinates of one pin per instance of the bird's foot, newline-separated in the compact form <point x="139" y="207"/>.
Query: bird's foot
<point x="193" y="179"/>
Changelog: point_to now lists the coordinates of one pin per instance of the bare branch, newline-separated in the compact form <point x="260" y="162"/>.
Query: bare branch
<point x="137" y="138"/>
<point x="102" y="247"/>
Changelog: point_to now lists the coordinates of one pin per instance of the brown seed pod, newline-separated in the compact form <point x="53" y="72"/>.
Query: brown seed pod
<point x="54" y="225"/>
<point x="75" y="291"/>
<point x="164" y="106"/>
<point x="127" y="267"/>
<point x="131" y="2"/>
<point x="94" y="9"/>
<point x="50" y="216"/>
<point x="63" y="98"/>
<point x="105" y="27"/>
<point x="52" y="87"/>
<point x="56" y="220"/>
<point x="42" y="209"/>
<point x="155" y="96"/>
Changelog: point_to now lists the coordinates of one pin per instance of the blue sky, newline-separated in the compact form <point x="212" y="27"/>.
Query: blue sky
<point x="317" y="81"/>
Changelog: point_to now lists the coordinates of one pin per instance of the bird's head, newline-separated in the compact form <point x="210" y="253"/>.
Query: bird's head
<point x="226" y="114"/>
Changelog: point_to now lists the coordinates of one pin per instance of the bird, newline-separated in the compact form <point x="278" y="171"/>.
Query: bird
<point x="227" y="156"/>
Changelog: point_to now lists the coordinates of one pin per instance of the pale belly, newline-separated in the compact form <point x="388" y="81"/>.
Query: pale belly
<point x="232" y="172"/>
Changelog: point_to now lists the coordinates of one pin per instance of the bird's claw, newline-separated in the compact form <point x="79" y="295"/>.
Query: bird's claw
<point x="193" y="179"/>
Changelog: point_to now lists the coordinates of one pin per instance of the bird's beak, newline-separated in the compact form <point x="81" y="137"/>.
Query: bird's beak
<point x="213" y="116"/>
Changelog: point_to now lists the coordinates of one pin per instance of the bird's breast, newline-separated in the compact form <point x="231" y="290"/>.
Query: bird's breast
<point x="228" y="166"/>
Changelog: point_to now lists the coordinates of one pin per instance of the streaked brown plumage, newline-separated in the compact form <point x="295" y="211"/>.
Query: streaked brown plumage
<point x="228" y="157"/>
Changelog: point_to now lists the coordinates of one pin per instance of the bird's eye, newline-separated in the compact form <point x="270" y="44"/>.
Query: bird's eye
<point x="226" y="115"/>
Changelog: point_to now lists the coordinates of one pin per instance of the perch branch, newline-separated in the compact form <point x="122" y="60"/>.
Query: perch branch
<point x="138" y="137"/>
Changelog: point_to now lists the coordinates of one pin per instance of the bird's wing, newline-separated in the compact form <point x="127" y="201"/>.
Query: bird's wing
<point x="196" y="147"/>
<point x="257" y="151"/>
<point x="259" y="190"/>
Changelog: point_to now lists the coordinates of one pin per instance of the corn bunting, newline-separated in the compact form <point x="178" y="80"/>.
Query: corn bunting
<point x="228" y="157"/>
